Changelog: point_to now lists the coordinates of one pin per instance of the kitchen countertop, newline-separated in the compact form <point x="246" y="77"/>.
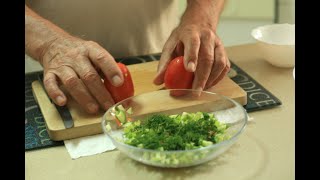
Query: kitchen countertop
<point x="265" y="150"/>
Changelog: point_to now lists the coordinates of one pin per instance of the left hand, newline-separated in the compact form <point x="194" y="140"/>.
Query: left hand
<point x="203" y="52"/>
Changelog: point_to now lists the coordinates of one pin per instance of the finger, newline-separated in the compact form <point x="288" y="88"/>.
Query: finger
<point x="165" y="58"/>
<point x="220" y="63"/>
<point x="191" y="50"/>
<point x="77" y="89"/>
<point x="205" y="62"/>
<point x="54" y="92"/>
<point x="93" y="82"/>
<point x="102" y="59"/>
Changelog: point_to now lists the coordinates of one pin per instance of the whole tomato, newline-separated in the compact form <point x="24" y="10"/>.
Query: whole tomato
<point x="124" y="91"/>
<point x="177" y="77"/>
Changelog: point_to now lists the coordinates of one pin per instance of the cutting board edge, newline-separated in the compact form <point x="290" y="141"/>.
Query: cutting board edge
<point x="241" y="100"/>
<point x="76" y="132"/>
<point x="47" y="116"/>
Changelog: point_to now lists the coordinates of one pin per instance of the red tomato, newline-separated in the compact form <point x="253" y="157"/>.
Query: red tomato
<point x="177" y="77"/>
<point x="124" y="91"/>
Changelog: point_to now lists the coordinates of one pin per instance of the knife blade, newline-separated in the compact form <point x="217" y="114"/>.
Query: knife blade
<point x="62" y="110"/>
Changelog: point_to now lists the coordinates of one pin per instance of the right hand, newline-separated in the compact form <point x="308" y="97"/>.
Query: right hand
<point x="77" y="64"/>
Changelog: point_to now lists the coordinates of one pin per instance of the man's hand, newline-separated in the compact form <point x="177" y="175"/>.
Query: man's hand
<point x="72" y="62"/>
<point x="195" y="39"/>
<point x="75" y="63"/>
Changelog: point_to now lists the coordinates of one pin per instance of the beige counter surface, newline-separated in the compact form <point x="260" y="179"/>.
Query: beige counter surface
<point x="265" y="151"/>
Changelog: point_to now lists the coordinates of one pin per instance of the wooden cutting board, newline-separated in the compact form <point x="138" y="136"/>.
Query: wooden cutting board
<point x="85" y="124"/>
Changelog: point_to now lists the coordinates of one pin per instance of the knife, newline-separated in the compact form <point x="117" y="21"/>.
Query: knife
<point x="63" y="110"/>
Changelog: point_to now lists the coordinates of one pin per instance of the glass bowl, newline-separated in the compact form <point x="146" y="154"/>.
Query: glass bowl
<point x="163" y="102"/>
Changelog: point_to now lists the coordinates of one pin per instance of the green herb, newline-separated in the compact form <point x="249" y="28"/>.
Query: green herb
<point x="175" y="132"/>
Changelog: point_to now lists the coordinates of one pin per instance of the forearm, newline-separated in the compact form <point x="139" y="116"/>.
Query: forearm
<point x="39" y="34"/>
<point x="203" y="11"/>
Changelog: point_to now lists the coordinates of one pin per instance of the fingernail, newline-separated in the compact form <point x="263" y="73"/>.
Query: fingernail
<point x="191" y="66"/>
<point x="198" y="91"/>
<point x="92" y="107"/>
<point x="116" y="80"/>
<point x="59" y="100"/>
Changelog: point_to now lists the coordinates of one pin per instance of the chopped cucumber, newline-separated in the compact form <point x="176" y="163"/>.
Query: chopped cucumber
<point x="120" y="107"/>
<point x="121" y="116"/>
<point x="129" y="111"/>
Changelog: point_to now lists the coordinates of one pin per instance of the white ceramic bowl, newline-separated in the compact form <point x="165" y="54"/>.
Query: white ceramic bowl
<point x="276" y="43"/>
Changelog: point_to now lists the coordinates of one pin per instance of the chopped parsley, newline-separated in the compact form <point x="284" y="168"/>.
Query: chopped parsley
<point x="175" y="132"/>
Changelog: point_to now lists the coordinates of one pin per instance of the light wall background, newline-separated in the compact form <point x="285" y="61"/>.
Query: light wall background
<point x="239" y="17"/>
<point x="237" y="20"/>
